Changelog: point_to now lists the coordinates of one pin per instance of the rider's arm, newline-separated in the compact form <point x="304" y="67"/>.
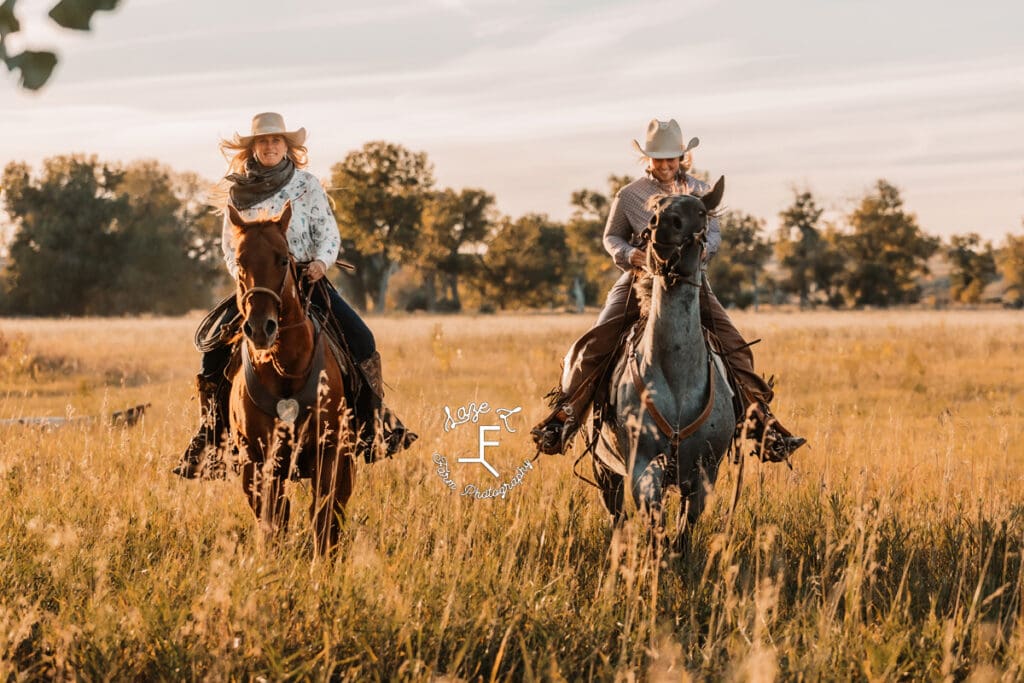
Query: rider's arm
<point x="322" y="226"/>
<point x="617" y="233"/>
<point x="714" y="238"/>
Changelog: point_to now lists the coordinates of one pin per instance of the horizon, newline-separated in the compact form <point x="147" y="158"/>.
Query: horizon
<point x="530" y="102"/>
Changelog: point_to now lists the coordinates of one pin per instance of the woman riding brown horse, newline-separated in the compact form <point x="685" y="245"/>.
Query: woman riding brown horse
<point x="287" y="409"/>
<point x="265" y="172"/>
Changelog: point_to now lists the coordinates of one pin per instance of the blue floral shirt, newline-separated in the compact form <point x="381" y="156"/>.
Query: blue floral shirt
<point x="312" y="233"/>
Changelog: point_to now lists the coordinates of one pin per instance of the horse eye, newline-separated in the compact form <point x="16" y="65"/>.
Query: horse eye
<point x="283" y="261"/>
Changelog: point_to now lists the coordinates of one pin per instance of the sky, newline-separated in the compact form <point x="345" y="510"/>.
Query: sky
<point x="532" y="99"/>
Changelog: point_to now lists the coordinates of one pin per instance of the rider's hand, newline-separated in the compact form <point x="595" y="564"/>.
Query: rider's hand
<point x="638" y="258"/>
<point x="315" y="270"/>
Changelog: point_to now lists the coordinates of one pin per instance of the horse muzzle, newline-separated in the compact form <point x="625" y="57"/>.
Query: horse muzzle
<point x="261" y="331"/>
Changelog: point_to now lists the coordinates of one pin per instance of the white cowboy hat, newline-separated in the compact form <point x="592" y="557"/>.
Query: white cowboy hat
<point x="272" y="123"/>
<point x="664" y="140"/>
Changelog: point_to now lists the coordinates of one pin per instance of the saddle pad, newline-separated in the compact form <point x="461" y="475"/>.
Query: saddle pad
<point x="720" y="364"/>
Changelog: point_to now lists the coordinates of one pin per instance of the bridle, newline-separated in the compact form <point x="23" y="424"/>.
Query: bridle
<point x="248" y="293"/>
<point x="666" y="266"/>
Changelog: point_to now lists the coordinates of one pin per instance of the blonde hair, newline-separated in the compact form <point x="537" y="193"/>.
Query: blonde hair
<point x="237" y="153"/>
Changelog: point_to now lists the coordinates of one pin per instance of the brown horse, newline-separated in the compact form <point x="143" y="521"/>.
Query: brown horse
<point x="287" y="410"/>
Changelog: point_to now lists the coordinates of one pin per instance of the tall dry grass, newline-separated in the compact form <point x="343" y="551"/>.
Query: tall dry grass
<point x="892" y="550"/>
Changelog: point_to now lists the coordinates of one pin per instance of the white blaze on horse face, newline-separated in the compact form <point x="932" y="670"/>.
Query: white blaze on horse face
<point x="269" y="150"/>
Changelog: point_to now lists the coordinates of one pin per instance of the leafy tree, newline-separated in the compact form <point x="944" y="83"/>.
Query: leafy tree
<point x="203" y="226"/>
<point x="830" y="268"/>
<point x="454" y="223"/>
<point x="735" y="269"/>
<point x="36" y="67"/>
<point x="525" y="262"/>
<point x="799" y="245"/>
<point x="887" y="250"/>
<point x="973" y="267"/>
<point x="157" y="270"/>
<point x="379" y="192"/>
<point x="1011" y="266"/>
<point x="95" y="239"/>
<point x="592" y="269"/>
<point x="63" y="255"/>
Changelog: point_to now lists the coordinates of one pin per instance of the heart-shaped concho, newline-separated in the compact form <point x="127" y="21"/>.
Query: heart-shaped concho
<point x="288" y="409"/>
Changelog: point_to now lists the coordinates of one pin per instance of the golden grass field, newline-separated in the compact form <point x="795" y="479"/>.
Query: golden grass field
<point x="892" y="550"/>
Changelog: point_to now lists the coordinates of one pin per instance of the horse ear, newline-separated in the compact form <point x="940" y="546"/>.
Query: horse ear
<point x="286" y="216"/>
<point x="235" y="218"/>
<point x="712" y="199"/>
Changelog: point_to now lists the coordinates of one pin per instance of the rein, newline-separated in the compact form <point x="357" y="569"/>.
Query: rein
<point x="666" y="266"/>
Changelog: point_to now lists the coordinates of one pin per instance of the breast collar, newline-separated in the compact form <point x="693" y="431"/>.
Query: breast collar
<point x="279" y="406"/>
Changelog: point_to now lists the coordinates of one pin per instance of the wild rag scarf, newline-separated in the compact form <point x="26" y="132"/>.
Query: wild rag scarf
<point x="259" y="182"/>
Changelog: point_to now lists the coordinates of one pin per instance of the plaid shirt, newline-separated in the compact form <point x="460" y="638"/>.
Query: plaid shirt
<point x="628" y="217"/>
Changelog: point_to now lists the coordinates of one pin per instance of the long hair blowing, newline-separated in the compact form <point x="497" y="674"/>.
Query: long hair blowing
<point x="237" y="154"/>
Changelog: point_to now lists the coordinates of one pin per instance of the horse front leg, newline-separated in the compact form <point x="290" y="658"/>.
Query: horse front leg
<point x="265" y="493"/>
<point x="333" y="478"/>
<point x="701" y="483"/>
<point x="648" y="489"/>
<point x="613" y="491"/>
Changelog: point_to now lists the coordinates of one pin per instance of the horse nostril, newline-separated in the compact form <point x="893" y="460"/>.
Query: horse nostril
<point x="247" y="329"/>
<point x="271" y="327"/>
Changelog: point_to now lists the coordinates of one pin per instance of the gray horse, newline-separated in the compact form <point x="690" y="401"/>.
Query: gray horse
<point x="672" y="417"/>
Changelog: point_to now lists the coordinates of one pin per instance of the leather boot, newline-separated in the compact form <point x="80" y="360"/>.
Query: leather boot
<point x="554" y="434"/>
<point x="385" y="434"/>
<point x="772" y="441"/>
<point x="551" y="435"/>
<point x="372" y="374"/>
<point x="200" y="456"/>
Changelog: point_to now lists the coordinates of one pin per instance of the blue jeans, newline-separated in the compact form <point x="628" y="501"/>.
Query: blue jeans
<point x="357" y="334"/>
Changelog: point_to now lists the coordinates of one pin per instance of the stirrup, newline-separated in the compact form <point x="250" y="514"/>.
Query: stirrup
<point x="772" y="441"/>
<point x="774" y="446"/>
<point x="553" y="436"/>
<point x="202" y="460"/>
<point x="548" y="438"/>
<point x="191" y="463"/>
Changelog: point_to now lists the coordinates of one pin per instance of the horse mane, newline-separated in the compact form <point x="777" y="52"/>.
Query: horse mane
<point x="657" y="203"/>
<point x="643" y="287"/>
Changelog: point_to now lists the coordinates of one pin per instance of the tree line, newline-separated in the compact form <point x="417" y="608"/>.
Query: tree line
<point x="91" y="237"/>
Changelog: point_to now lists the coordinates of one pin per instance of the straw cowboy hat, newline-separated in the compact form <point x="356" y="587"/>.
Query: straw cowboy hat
<point x="272" y="123"/>
<point x="664" y="140"/>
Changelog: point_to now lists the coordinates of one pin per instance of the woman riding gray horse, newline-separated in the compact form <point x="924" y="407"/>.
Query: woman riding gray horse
<point x="588" y="359"/>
